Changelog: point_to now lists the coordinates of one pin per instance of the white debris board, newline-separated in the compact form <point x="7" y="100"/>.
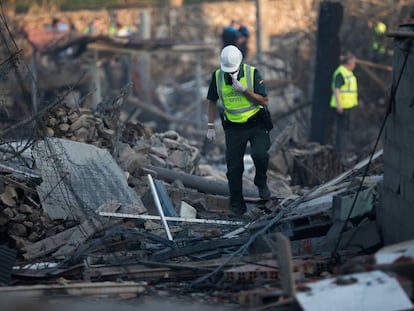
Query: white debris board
<point x="369" y="291"/>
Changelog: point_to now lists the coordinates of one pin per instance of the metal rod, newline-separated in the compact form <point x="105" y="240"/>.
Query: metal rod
<point x="167" y="218"/>
<point x="159" y="207"/>
<point x="258" y="32"/>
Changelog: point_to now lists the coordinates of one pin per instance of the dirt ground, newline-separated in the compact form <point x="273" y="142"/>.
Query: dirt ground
<point x="110" y="304"/>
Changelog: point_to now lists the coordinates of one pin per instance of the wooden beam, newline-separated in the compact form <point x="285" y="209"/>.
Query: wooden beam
<point x="373" y="65"/>
<point x="77" y="289"/>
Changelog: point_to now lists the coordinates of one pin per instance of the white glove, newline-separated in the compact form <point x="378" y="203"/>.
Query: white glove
<point x="237" y="86"/>
<point x="211" y="134"/>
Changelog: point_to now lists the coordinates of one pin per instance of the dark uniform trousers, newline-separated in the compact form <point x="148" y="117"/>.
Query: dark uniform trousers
<point x="236" y="143"/>
<point x="341" y="128"/>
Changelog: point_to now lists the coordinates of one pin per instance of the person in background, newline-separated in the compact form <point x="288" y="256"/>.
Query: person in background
<point x="242" y="91"/>
<point x="57" y="26"/>
<point x="344" y="96"/>
<point x="231" y="34"/>
<point x="245" y="34"/>
<point x="119" y="30"/>
<point x="379" y="41"/>
<point x="93" y="27"/>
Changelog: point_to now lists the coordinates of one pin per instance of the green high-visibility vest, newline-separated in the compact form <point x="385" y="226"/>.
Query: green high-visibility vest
<point x="237" y="107"/>
<point x="348" y="92"/>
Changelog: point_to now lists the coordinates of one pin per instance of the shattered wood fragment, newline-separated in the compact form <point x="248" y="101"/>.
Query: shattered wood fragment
<point x="82" y="233"/>
<point x="48" y="245"/>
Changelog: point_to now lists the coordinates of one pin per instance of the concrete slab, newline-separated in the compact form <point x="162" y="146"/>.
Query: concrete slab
<point x="78" y="178"/>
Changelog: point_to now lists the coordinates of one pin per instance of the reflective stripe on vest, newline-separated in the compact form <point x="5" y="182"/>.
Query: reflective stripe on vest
<point x="237" y="107"/>
<point x="348" y="92"/>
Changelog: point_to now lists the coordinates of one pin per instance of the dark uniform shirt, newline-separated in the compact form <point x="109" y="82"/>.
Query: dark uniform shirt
<point x="258" y="86"/>
<point x="339" y="81"/>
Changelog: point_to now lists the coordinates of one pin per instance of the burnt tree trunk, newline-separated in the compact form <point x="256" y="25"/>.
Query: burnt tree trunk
<point x="327" y="59"/>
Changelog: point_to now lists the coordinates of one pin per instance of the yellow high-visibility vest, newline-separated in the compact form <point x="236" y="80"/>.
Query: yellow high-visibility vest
<point x="348" y="92"/>
<point x="237" y="107"/>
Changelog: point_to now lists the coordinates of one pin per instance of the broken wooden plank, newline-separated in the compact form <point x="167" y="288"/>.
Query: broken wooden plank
<point x="48" y="245"/>
<point x="283" y="254"/>
<point x="326" y="186"/>
<point x="77" y="289"/>
<point x="64" y="242"/>
<point x="83" y="232"/>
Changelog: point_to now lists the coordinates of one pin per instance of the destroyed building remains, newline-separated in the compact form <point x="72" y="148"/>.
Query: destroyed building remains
<point x="95" y="202"/>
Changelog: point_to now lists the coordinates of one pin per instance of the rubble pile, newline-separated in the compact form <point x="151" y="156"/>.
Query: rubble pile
<point x="104" y="199"/>
<point x="22" y="220"/>
<point x="133" y="145"/>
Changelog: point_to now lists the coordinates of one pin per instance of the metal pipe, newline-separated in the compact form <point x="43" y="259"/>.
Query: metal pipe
<point x="159" y="207"/>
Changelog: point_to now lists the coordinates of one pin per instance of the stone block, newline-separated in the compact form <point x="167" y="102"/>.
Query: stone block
<point x="343" y="203"/>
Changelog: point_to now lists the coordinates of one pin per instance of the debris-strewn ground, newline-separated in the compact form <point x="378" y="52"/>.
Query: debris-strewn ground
<point x="131" y="205"/>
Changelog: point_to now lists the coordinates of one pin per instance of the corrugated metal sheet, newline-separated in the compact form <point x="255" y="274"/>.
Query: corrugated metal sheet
<point x="8" y="258"/>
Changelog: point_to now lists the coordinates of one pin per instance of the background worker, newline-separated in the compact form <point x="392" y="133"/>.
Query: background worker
<point x="344" y="96"/>
<point x="379" y="40"/>
<point x="242" y="92"/>
<point x="231" y="34"/>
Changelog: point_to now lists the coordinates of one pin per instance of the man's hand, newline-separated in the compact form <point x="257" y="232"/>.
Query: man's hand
<point x="211" y="135"/>
<point x="237" y="86"/>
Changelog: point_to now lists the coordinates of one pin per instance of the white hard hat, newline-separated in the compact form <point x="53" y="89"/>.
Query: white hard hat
<point x="230" y="58"/>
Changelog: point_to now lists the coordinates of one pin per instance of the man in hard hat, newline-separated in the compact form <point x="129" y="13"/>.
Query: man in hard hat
<point x="242" y="91"/>
<point x="344" y="96"/>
